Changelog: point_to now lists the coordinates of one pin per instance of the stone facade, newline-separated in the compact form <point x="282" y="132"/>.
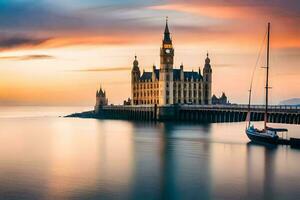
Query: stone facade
<point x="167" y="85"/>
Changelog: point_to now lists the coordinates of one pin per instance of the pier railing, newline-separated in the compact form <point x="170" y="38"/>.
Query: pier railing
<point x="206" y="113"/>
<point x="244" y="107"/>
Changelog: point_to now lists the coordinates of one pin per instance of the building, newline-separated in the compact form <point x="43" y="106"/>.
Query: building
<point x="127" y="102"/>
<point x="101" y="99"/>
<point x="168" y="85"/>
<point x="221" y="100"/>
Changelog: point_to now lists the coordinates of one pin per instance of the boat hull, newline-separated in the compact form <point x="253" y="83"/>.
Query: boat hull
<point x="261" y="139"/>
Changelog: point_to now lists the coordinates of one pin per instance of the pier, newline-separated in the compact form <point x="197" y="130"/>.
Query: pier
<point x="200" y="113"/>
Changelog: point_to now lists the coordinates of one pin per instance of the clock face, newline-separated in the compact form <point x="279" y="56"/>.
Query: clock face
<point x="168" y="51"/>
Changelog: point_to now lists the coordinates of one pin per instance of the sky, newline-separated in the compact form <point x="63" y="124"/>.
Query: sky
<point x="55" y="52"/>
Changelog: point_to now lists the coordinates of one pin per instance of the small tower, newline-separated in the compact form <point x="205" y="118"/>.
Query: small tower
<point x="135" y="77"/>
<point x="101" y="100"/>
<point x="207" y="80"/>
<point x="166" y="69"/>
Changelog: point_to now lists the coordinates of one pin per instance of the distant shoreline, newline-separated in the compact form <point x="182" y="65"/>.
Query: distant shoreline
<point x="86" y="114"/>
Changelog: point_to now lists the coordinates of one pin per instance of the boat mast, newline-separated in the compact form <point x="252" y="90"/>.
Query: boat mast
<point x="267" y="79"/>
<point x="249" y="107"/>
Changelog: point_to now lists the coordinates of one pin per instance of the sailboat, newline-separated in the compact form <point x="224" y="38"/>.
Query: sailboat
<point x="267" y="134"/>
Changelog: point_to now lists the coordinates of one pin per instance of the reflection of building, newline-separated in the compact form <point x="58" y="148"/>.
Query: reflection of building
<point x="167" y="85"/>
<point x="221" y="100"/>
<point x="101" y="99"/>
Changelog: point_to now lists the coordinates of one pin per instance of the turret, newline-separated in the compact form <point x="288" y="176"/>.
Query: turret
<point x="153" y="73"/>
<point x="181" y="72"/>
<point x="101" y="99"/>
<point x="207" y="80"/>
<point x="135" y="77"/>
<point x="135" y="72"/>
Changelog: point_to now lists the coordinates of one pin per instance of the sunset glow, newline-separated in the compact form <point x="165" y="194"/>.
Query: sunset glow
<point x="59" y="52"/>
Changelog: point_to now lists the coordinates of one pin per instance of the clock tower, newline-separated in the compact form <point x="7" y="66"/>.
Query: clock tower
<point x="166" y="69"/>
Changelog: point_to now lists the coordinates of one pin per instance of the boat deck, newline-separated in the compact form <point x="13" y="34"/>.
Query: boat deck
<point x="293" y="142"/>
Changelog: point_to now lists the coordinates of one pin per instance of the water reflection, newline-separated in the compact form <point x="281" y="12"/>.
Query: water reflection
<point x="57" y="158"/>
<point x="260" y="170"/>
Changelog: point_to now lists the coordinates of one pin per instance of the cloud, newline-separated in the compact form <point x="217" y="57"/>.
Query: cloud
<point x="60" y="26"/>
<point x="27" y="57"/>
<point x="102" y="69"/>
<point x="31" y="15"/>
<point x="224" y="65"/>
<point x="19" y="41"/>
<point x="111" y="23"/>
<point x="234" y="9"/>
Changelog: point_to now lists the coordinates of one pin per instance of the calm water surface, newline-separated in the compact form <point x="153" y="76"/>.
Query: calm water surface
<point x="43" y="156"/>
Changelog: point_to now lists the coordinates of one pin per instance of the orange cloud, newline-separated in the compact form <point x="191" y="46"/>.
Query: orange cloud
<point x="27" y="57"/>
<point x="221" y="12"/>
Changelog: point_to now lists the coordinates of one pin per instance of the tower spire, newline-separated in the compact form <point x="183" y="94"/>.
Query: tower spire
<point x="167" y="37"/>
<point x="167" y="27"/>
